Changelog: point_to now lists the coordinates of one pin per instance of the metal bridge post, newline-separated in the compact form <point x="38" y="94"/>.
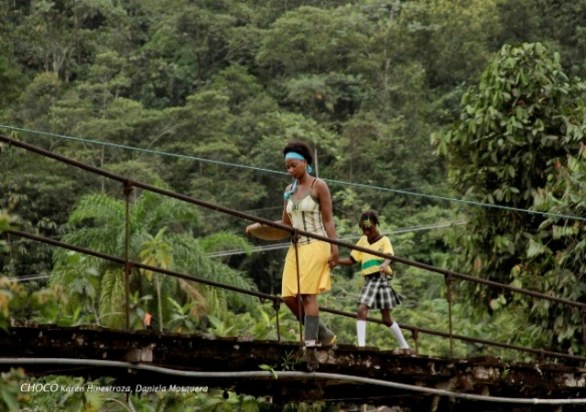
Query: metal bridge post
<point x="415" y="336"/>
<point x="295" y="240"/>
<point x="448" y="279"/>
<point x="127" y="191"/>
<point x="583" y="313"/>
<point x="277" y="306"/>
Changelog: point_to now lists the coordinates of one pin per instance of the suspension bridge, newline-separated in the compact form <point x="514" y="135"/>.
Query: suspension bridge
<point x="149" y="360"/>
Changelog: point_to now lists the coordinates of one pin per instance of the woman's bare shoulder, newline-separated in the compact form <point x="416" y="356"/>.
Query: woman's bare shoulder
<point x="321" y="186"/>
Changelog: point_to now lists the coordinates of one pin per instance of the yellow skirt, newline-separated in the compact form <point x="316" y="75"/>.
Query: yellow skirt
<point x="314" y="269"/>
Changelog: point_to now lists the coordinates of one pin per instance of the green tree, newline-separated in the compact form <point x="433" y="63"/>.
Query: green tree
<point x="520" y="128"/>
<point x="11" y="80"/>
<point x="558" y="24"/>
<point x="57" y="37"/>
<point x="160" y="234"/>
<point x="556" y="254"/>
<point x="312" y="57"/>
<point x="33" y="108"/>
<point x="314" y="40"/>
<point x="186" y="44"/>
<point x="39" y="195"/>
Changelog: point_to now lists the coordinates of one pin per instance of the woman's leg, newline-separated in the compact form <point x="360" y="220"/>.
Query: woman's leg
<point x="311" y="310"/>
<point x="325" y="336"/>
<point x="310" y="306"/>
<point x="292" y="302"/>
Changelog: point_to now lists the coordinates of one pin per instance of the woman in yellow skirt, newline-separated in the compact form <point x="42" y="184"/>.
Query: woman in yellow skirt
<point x="308" y="207"/>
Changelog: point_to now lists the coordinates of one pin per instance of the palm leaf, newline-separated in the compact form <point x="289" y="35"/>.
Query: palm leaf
<point x="193" y="295"/>
<point x="99" y="223"/>
<point x="224" y="241"/>
<point x="111" y="303"/>
<point x="99" y="208"/>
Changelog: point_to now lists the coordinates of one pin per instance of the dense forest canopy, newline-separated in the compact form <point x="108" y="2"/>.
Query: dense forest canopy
<point x="461" y="122"/>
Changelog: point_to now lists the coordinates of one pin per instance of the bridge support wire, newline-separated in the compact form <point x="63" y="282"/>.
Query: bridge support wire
<point x="286" y="374"/>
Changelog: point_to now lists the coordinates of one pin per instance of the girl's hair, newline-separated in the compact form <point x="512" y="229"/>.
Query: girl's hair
<point x="299" y="147"/>
<point x="369" y="215"/>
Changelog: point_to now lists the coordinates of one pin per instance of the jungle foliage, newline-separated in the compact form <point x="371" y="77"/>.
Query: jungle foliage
<point x="462" y="123"/>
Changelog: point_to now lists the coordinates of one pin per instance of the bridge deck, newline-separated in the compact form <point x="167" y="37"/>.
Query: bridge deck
<point x="183" y="356"/>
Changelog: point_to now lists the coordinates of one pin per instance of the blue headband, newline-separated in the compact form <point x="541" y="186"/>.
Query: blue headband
<point x="295" y="155"/>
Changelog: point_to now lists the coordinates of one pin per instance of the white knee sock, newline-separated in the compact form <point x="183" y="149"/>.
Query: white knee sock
<point x="396" y="331"/>
<point x="361" y="332"/>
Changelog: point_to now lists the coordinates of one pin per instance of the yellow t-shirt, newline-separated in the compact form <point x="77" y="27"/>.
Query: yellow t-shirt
<point x="370" y="264"/>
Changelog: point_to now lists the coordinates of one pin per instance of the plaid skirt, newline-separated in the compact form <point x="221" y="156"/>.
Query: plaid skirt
<point x="377" y="293"/>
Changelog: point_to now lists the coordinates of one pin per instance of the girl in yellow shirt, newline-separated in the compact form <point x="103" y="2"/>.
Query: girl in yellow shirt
<point x="377" y="292"/>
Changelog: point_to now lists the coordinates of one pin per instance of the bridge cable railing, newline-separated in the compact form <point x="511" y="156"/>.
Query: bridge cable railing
<point x="129" y="184"/>
<point x="275" y="299"/>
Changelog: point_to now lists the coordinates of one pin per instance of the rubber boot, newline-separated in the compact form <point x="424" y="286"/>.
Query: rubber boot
<point x="325" y="337"/>
<point x="311" y="331"/>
